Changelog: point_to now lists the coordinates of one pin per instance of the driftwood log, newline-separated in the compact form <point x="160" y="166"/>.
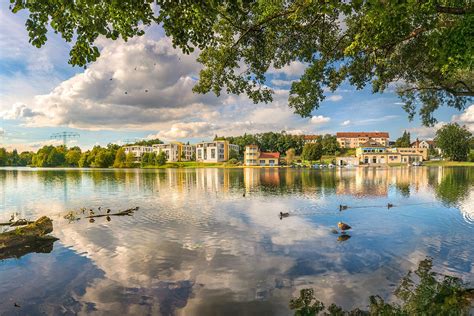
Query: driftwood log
<point x="30" y="238"/>
<point x="127" y="212"/>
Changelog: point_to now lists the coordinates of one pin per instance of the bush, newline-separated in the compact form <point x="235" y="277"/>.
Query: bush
<point x="232" y="161"/>
<point x="470" y="157"/>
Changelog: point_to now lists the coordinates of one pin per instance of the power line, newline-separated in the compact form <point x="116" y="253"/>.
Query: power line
<point x="65" y="136"/>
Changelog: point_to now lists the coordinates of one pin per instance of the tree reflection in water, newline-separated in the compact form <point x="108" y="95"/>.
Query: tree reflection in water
<point x="422" y="292"/>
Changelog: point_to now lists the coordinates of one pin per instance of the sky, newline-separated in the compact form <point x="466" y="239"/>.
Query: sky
<point x="142" y="89"/>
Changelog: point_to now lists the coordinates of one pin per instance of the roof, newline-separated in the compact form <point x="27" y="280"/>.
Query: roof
<point x="363" y="134"/>
<point x="269" y="155"/>
<point x="371" y="143"/>
<point x="311" y="137"/>
<point x="429" y="142"/>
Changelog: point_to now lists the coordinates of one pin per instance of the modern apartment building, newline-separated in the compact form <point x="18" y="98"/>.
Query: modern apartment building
<point x="175" y="151"/>
<point x="215" y="151"/>
<point x="254" y="157"/>
<point x="138" y="151"/>
<point x="356" y="139"/>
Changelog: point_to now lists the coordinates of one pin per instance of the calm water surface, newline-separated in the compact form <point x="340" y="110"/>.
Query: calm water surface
<point x="197" y="246"/>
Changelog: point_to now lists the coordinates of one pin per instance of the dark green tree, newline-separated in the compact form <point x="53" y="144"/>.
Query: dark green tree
<point x="84" y="160"/>
<point x="330" y="144"/>
<point x="3" y="157"/>
<point x="73" y="155"/>
<point x="312" y="151"/>
<point x="130" y="160"/>
<point x="404" y="140"/>
<point x="161" y="158"/>
<point x="453" y="140"/>
<point x="56" y="158"/>
<point x="26" y="158"/>
<point x="120" y="158"/>
<point x="103" y="158"/>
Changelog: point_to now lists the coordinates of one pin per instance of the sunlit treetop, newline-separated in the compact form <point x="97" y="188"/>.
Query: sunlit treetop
<point x="424" y="48"/>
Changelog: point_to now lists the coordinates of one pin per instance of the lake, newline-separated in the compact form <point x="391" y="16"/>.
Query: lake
<point x="210" y="242"/>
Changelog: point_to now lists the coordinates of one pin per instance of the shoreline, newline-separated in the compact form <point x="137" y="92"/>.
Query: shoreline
<point x="224" y="166"/>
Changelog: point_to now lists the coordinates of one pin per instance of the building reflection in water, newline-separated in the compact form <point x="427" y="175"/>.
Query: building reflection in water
<point x="197" y="246"/>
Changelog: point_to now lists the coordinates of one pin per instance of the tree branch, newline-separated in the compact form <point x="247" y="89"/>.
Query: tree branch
<point x="452" y="10"/>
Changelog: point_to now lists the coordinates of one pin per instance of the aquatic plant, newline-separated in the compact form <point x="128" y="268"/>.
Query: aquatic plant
<point x="422" y="292"/>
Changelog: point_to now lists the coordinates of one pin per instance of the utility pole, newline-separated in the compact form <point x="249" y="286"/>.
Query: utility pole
<point x="65" y="136"/>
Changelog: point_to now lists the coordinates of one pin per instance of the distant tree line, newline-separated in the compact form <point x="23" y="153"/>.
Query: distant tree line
<point x="112" y="155"/>
<point x="282" y="142"/>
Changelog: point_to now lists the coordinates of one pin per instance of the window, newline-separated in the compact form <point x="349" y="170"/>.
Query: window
<point x="213" y="153"/>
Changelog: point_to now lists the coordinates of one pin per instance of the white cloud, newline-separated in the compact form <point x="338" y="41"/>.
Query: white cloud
<point x="320" y="119"/>
<point x="334" y="98"/>
<point x="280" y="82"/>
<point x="294" y="69"/>
<point x="376" y="119"/>
<point x="466" y="118"/>
<point x="346" y="123"/>
<point x="425" y="132"/>
<point x="185" y="130"/>
<point x="18" y="111"/>
<point x="138" y="83"/>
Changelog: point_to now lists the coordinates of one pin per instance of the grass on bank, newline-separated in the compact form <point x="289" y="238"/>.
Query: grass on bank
<point x="445" y="163"/>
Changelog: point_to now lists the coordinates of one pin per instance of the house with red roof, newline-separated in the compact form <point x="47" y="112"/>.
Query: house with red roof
<point x="254" y="157"/>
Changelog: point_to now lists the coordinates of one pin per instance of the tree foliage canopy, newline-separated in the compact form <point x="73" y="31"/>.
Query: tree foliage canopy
<point x="404" y="140"/>
<point x="454" y="141"/>
<point x="312" y="151"/>
<point x="427" y="47"/>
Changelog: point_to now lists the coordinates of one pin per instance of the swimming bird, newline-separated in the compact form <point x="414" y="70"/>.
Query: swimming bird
<point x="146" y="90"/>
<point x="16" y="305"/>
<point x="284" y="215"/>
<point x="342" y="207"/>
<point x="12" y="218"/>
<point x="108" y="210"/>
<point x="83" y="210"/>
<point x="126" y="92"/>
<point x="91" y="212"/>
<point x="110" y="79"/>
<point x="243" y="194"/>
<point x="99" y="208"/>
<point x="389" y="205"/>
<point x="343" y="226"/>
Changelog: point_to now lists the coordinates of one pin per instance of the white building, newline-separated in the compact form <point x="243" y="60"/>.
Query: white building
<point x="138" y="151"/>
<point x="175" y="151"/>
<point x="216" y="151"/>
